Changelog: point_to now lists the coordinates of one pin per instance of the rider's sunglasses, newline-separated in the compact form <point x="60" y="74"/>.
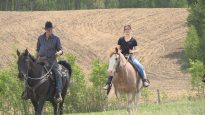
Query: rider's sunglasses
<point x="127" y="28"/>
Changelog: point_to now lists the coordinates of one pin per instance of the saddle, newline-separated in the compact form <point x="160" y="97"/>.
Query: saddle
<point x="44" y="62"/>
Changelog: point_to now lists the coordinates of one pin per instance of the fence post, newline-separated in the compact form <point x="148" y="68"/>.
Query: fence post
<point x="158" y="97"/>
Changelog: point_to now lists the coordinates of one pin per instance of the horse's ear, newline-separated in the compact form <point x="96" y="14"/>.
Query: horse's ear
<point x="26" y="52"/>
<point x="116" y="49"/>
<point x="17" y="52"/>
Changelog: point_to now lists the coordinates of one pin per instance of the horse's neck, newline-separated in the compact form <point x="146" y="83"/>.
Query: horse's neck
<point x="35" y="69"/>
<point x="122" y="60"/>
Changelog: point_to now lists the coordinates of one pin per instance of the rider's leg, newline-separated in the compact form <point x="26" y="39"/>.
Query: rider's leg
<point x="57" y="77"/>
<point x="141" y="71"/>
<point x="108" y="83"/>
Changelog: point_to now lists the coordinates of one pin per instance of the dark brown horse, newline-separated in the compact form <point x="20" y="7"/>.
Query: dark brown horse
<point x="39" y="83"/>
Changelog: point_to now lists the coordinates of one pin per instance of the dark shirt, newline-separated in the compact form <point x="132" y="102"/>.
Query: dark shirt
<point x="48" y="47"/>
<point x="126" y="46"/>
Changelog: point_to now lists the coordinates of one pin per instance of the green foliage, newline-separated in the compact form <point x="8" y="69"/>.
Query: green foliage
<point x="82" y="98"/>
<point x="10" y="92"/>
<point x="197" y="70"/>
<point x="87" y="4"/>
<point x="99" y="73"/>
<point x="75" y="97"/>
<point x="192" y="44"/>
<point x="163" y="96"/>
<point x="146" y="94"/>
<point x="194" y="47"/>
<point x="197" y="19"/>
<point x="179" y="107"/>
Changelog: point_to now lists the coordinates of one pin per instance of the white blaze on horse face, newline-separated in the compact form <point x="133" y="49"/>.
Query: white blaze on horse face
<point x="112" y="64"/>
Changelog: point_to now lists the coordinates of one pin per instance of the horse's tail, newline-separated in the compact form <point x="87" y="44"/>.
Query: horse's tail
<point x="66" y="65"/>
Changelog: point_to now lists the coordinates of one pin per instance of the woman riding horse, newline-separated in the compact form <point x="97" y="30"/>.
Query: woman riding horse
<point x="128" y="44"/>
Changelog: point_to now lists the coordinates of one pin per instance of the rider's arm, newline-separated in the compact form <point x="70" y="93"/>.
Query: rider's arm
<point x="60" y="52"/>
<point x="38" y="47"/>
<point x="59" y="48"/>
<point x="134" y="50"/>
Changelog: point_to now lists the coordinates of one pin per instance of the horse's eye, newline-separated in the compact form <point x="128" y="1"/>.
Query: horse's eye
<point x="115" y="58"/>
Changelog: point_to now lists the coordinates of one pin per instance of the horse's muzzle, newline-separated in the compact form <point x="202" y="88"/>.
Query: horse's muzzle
<point x="110" y="72"/>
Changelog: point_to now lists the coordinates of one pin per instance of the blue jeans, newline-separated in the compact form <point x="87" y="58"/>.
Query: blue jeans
<point x="139" y="67"/>
<point x="56" y="73"/>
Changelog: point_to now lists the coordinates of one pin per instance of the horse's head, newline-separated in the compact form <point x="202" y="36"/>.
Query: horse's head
<point x="23" y="63"/>
<point x="114" y="61"/>
<point x="203" y="78"/>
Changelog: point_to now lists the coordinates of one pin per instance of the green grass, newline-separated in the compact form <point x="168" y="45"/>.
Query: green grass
<point x="182" y="107"/>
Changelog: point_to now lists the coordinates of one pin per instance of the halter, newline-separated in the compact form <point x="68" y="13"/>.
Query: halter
<point x="117" y="67"/>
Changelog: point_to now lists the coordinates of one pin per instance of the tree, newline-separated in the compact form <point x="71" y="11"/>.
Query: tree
<point x="197" y="70"/>
<point x="192" y="44"/>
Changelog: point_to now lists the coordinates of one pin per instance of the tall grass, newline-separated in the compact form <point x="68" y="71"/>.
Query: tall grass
<point x="180" y="107"/>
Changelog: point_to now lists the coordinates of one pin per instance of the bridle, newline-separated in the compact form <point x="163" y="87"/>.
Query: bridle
<point x="117" y="67"/>
<point x="42" y="78"/>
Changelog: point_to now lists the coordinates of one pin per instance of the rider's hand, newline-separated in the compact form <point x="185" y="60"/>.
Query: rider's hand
<point x="131" y="51"/>
<point x="59" y="53"/>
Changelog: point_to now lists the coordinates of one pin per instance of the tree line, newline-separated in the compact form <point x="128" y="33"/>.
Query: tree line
<point x="30" y="5"/>
<point x="195" y="43"/>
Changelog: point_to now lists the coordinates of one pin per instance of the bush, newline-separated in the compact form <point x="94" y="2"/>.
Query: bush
<point x="197" y="70"/>
<point x="192" y="44"/>
<point x="99" y="73"/>
<point x="10" y="92"/>
<point x="82" y="98"/>
<point x="146" y="94"/>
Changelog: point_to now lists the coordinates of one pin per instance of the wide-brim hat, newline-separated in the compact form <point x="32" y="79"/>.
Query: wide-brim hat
<point x="48" y="25"/>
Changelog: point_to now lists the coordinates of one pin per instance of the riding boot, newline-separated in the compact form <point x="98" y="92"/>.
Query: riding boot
<point x="108" y="84"/>
<point x="145" y="80"/>
<point x="58" y="86"/>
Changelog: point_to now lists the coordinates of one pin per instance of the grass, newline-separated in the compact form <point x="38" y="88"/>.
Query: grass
<point x="182" y="107"/>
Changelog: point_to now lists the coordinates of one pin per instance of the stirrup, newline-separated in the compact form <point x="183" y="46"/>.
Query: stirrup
<point x="59" y="99"/>
<point x="146" y="83"/>
<point x="106" y="87"/>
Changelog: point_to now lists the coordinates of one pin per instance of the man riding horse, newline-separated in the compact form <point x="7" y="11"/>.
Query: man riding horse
<point x="128" y="44"/>
<point x="49" y="46"/>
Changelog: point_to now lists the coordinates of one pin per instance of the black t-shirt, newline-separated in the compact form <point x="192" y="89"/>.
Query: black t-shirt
<point x="127" y="46"/>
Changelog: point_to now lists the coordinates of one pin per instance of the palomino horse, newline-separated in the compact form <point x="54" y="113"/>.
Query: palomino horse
<point x="39" y="82"/>
<point x="125" y="79"/>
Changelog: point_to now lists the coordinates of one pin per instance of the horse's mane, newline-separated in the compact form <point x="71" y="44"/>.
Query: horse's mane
<point x="112" y="51"/>
<point x="30" y="56"/>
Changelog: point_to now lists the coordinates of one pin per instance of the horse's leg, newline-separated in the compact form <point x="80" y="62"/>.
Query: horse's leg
<point x="61" y="104"/>
<point x="35" y="105"/>
<point x="130" y="102"/>
<point x="117" y="93"/>
<point x="54" y="107"/>
<point x="138" y="93"/>
<point x="40" y="106"/>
